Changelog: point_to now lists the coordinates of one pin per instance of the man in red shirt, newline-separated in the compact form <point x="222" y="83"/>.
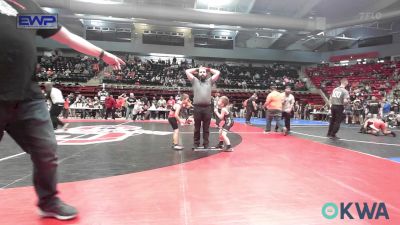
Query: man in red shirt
<point x="110" y="104"/>
<point x="170" y="102"/>
<point x="120" y="102"/>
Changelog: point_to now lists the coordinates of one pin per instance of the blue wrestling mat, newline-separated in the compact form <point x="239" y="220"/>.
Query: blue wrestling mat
<point x="259" y="121"/>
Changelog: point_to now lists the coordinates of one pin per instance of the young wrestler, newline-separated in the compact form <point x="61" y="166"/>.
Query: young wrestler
<point x="375" y="126"/>
<point x="173" y="119"/>
<point x="227" y="118"/>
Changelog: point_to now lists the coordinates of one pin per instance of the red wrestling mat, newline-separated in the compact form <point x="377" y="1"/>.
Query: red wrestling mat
<point x="268" y="179"/>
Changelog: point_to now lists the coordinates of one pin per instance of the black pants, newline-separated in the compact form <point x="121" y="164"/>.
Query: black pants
<point x="249" y="114"/>
<point x="55" y="111"/>
<point x="28" y="123"/>
<point x="108" y="111"/>
<point x="286" y="117"/>
<point x="336" y="119"/>
<point x="202" y="114"/>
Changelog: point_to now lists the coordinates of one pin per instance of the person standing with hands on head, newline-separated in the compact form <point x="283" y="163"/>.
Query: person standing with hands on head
<point x="23" y="110"/>
<point x="202" y="86"/>
<point x="339" y="97"/>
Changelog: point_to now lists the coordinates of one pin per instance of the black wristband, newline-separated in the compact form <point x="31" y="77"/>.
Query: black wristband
<point x="101" y="54"/>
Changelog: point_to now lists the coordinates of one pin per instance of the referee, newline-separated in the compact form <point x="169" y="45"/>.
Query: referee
<point x="340" y="97"/>
<point x="202" y="85"/>
<point x="57" y="104"/>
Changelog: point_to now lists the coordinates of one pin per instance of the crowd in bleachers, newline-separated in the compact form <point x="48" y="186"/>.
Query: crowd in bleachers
<point x="58" y="68"/>
<point x="171" y="73"/>
<point x="369" y="86"/>
<point x="365" y="80"/>
<point x="167" y="73"/>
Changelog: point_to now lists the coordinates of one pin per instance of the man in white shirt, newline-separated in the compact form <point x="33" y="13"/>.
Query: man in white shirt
<point x="57" y="104"/>
<point x="287" y="107"/>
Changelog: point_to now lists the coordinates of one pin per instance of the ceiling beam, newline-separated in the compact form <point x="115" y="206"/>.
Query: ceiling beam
<point x="186" y="15"/>
<point x="299" y="14"/>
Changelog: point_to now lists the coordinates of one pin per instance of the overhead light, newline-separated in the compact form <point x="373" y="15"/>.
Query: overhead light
<point x="49" y="10"/>
<point x="212" y="26"/>
<point x="344" y="61"/>
<point x="321" y="33"/>
<point x="225" y="33"/>
<point x="103" y="2"/>
<point x="96" y="22"/>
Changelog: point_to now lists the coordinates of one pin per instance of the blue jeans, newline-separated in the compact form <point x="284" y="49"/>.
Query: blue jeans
<point x="29" y="124"/>
<point x="274" y="114"/>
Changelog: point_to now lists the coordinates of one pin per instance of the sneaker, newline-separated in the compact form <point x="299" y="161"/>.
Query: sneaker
<point x="177" y="147"/>
<point x="334" y="137"/>
<point x="393" y="134"/>
<point x="285" y="131"/>
<point x="60" y="211"/>
<point x="206" y="146"/>
<point x="228" y="149"/>
<point x="195" y="146"/>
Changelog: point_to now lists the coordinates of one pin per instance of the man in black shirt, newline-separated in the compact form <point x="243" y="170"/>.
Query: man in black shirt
<point x="23" y="110"/>
<point x="251" y="107"/>
<point x="374" y="107"/>
<point x="339" y="98"/>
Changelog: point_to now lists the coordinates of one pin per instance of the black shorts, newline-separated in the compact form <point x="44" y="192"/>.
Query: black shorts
<point x="228" y="125"/>
<point x="173" y="122"/>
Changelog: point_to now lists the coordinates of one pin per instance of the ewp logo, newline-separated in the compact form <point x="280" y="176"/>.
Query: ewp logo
<point x="37" y="21"/>
<point x="330" y="210"/>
